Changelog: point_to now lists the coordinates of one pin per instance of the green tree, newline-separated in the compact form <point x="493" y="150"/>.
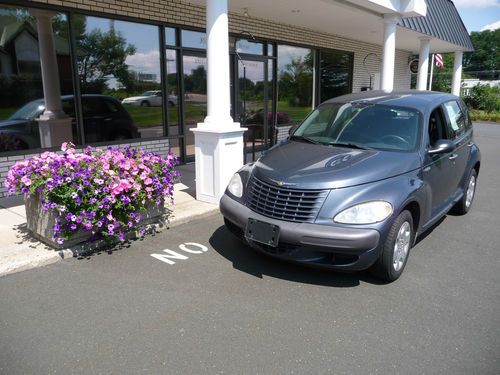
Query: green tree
<point x="485" y="60"/>
<point x="103" y="54"/>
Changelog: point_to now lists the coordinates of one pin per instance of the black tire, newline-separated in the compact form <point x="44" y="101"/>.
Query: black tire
<point x="464" y="204"/>
<point x="388" y="266"/>
<point x="145" y="103"/>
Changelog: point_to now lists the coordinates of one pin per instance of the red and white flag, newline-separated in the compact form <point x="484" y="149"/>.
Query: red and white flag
<point x="439" y="60"/>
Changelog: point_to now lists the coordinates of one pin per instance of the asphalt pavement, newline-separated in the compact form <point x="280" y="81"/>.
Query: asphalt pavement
<point x="194" y="300"/>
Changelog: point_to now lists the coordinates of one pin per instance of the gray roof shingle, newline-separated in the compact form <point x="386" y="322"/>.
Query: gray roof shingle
<point x="442" y="22"/>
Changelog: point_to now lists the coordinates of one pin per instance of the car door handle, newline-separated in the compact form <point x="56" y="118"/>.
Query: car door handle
<point x="453" y="156"/>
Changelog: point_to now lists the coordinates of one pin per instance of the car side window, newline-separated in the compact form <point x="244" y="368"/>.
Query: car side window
<point x="94" y="107"/>
<point x="456" y="119"/>
<point x="437" y="127"/>
<point x="68" y="107"/>
<point x="465" y="110"/>
<point x="112" y="106"/>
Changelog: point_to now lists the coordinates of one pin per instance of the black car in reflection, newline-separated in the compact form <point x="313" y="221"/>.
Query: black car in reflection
<point x="104" y="119"/>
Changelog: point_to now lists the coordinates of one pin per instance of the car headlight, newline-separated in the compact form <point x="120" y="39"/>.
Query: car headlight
<point x="365" y="213"/>
<point x="235" y="185"/>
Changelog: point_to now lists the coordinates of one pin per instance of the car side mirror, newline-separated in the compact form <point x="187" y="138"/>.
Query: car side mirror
<point x="443" y="146"/>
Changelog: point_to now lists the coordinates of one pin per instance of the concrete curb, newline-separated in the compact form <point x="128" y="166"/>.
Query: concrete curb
<point x="24" y="253"/>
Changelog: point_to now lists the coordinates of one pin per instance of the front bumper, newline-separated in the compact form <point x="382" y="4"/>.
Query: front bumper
<point x="307" y="243"/>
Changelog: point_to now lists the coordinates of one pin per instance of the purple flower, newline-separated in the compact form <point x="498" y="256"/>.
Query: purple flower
<point x="73" y="226"/>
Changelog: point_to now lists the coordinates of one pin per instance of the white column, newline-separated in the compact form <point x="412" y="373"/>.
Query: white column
<point x="218" y="140"/>
<point x="389" y="51"/>
<point x="457" y="73"/>
<point x="54" y="124"/>
<point x="218" y="89"/>
<point x="423" y="63"/>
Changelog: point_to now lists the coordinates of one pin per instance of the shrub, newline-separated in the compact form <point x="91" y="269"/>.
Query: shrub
<point x="484" y="97"/>
<point x="102" y="191"/>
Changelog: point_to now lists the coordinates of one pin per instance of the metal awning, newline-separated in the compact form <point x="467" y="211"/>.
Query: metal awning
<point x="442" y="22"/>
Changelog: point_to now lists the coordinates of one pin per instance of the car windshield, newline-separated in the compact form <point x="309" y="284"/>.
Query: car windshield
<point x="148" y="93"/>
<point x="362" y="126"/>
<point x="28" y="111"/>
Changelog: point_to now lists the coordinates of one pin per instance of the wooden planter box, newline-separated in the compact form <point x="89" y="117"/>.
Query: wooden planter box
<point x="40" y="222"/>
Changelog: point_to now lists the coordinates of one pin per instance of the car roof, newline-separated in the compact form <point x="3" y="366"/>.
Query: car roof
<point x="420" y="100"/>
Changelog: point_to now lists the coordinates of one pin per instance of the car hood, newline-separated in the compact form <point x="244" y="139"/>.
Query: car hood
<point x="12" y="123"/>
<point x="310" y="166"/>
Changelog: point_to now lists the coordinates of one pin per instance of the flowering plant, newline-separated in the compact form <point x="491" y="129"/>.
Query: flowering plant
<point x="102" y="191"/>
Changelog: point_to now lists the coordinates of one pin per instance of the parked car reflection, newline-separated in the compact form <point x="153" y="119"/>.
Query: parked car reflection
<point x="104" y="119"/>
<point x="150" y="99"/>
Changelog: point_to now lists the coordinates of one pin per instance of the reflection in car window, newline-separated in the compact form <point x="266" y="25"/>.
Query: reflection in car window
<point x="456" y="118"/>
<point x="376" y="126"/>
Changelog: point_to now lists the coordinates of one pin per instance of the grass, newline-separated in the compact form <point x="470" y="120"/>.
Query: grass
<point x="296" y="114"/>
<point x="478" y="115"/>
<point x="6" y="112"/>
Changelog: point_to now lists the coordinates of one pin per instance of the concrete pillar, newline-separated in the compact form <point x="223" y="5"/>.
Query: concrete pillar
<point x="218" y="140"/>
<point x="423" y="63"/>
<point x="54" y="124"/>
<point x="457" y="74"/>
<point x="389" y="51"/>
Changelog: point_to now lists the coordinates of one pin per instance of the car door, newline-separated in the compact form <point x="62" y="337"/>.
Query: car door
<point x="456" y="119"/>
<point x="95" y="119"/>
<point x="437" y="169"/>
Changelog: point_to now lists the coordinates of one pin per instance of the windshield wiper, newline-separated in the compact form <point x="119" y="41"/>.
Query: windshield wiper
<point x="349" y="145"/>
<point x="302" y="138"/>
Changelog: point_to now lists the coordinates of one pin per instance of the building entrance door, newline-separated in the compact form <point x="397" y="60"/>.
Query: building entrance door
<point x="253" y="106"/>
<point x="195" y="97"/>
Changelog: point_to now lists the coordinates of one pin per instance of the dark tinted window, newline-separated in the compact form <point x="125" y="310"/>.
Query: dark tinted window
<point x="437" y="127"/>
<point x="68" y="107"/>
<point x="95" y="107"/>
<point x="335" y="74"/>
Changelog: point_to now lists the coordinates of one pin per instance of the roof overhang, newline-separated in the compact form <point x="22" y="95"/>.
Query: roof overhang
<point x="360" y="20"/>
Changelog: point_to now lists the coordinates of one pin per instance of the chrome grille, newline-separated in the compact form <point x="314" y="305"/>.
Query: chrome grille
<point x="284" y="203"/>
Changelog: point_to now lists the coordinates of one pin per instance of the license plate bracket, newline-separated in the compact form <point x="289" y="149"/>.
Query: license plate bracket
<point x="262" y="232"/>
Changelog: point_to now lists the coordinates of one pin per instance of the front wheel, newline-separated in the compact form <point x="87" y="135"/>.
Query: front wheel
<point x="394" y="255"/>
<point x="463" y="205"/>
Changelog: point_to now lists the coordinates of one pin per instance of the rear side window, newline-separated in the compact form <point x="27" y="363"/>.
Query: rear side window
<point x="456" y="119"/>
<point x="468" y="121"/>
<point x="98" y="107"/>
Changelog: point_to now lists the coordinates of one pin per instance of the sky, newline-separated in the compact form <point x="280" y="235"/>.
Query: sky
<point x="479" y="15"/>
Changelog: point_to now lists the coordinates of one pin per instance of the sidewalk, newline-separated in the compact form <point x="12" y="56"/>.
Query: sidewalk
<point x="20" y="252"/>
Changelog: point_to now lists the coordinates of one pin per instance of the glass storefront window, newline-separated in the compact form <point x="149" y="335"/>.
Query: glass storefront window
<point x="173" y="93"/>
<point x="170" y="38"/>
<point x="120" y="80"/>
<point x="21" y="88"/>
<point x="194" y="39"/>
<point x="335" y="74"/>
<point x="295" y="83"/>
<point x="195" y="96"/>
<point x="250" y="47"/>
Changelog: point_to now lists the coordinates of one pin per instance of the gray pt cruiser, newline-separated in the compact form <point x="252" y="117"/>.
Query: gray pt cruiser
<point x="357" y="182"/>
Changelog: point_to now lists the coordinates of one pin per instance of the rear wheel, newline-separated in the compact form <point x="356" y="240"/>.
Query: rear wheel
<point x="463" y="205"/>
<point x="394" y="255"/>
